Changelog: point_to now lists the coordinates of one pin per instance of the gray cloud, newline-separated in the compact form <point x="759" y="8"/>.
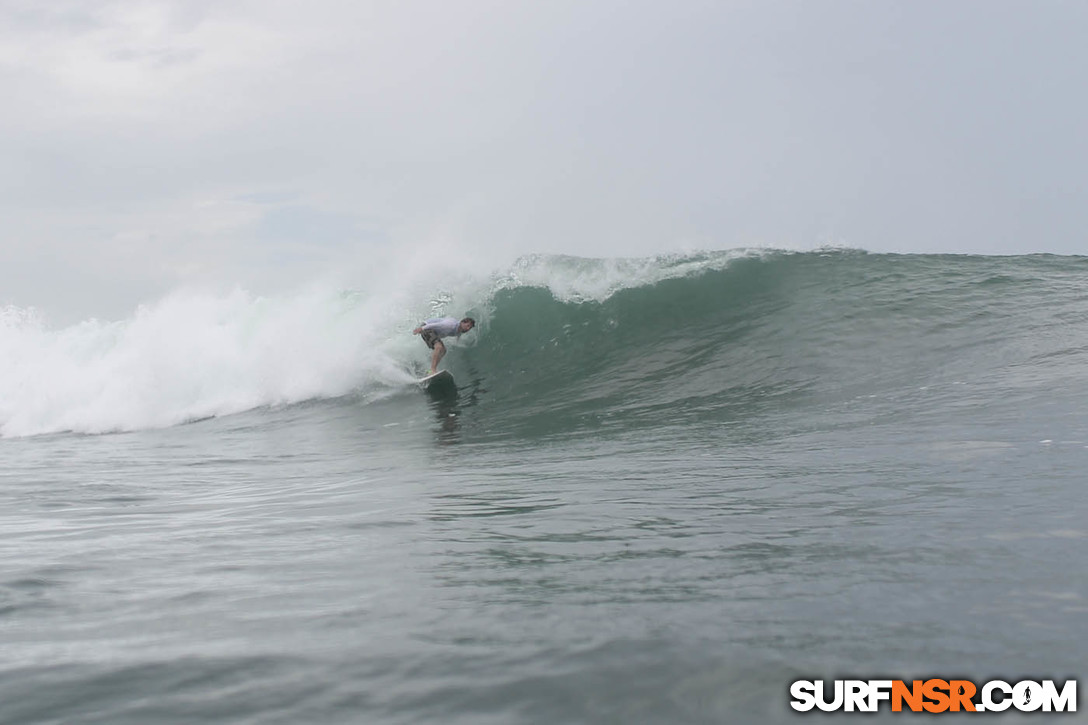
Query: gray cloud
<point x="148" y="144"/>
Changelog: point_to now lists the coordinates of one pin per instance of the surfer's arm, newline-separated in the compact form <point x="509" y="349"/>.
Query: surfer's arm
<point x="443" y="327"/>
<point x="437" y="325"/>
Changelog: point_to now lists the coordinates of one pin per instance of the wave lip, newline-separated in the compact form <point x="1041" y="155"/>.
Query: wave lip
<point x="582" y="279"/>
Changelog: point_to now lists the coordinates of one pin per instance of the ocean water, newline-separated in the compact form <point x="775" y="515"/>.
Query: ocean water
<point x="663" y="490"/>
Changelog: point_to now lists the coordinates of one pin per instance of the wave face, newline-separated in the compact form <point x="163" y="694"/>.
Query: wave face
<point x="566" y="344"/>
<point x="799" y="341"/>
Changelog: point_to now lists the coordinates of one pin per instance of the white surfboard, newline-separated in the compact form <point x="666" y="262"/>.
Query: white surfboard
<point x="441" y="379"/>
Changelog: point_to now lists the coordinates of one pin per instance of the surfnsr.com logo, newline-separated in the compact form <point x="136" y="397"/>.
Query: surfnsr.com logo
<point x="933" y="695"/>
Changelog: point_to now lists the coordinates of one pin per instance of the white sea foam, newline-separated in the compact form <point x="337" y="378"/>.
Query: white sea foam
<point x="190" y="355"/>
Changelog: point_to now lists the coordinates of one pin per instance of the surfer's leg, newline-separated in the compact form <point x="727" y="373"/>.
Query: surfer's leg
<point x="439" y="351"/>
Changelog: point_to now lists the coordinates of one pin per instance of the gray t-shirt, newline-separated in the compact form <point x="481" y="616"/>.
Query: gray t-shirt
<point x="444" y="326"/>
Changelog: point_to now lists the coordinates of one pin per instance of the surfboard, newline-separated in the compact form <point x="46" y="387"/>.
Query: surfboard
<point x="441" y="379"/>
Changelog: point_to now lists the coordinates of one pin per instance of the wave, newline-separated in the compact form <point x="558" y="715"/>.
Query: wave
<point x="800" y="340"/>
<point x="664" y="339"/>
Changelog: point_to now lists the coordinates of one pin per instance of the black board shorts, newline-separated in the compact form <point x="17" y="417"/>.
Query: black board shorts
<point x="430" y="337"/>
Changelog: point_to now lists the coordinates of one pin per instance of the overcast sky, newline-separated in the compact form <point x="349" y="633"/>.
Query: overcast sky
<point x="151" y="144"/>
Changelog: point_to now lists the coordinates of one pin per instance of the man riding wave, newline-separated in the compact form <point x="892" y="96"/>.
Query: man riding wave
<point x="432" y="332"/>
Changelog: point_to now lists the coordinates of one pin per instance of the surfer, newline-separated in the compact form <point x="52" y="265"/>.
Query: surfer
<point x="432" y="332"/>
